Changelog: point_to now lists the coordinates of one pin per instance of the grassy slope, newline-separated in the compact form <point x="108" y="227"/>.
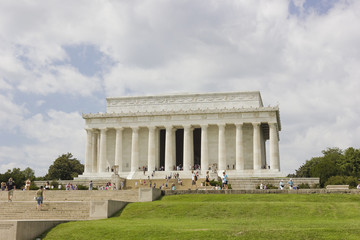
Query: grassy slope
<point x="259" y="216"/>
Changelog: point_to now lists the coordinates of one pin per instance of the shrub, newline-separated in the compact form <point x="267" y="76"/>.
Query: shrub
<point x="55" y="184"/>
<point x="218" y="183"/>
<point x="304" y="186"/>
<point x="270" y="186"/>
<point x="33" y="186"/>
<point x="82" y="187"/>
<point x="342" y="180"/>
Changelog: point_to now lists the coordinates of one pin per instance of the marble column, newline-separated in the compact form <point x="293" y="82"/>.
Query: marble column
<point x="222" y="148"/>
<point x="135" y="149"/>
<point x="151" y="149"/>
<point x="88" y="153"/>
<point x="187" y="150"/>
<point x="98" y="152"/>
<point x="256" y="146"/>
<point x="204" y="148"/>
<point x="102" y="160"/>
<point x="169" y="148"/>
<point x="239" y="149"/>
<point x="118" y="149"/>
<point x="95" y="151"/>
<point x="274" y="147"/>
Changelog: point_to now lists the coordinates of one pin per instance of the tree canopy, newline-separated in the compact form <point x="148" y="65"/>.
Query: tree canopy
<point x="18" y="176"/>
<point x="65" y="167"/>
<point x="337" y="165"/>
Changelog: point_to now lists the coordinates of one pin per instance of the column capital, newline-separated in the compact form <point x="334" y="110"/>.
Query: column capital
<point x="239" y="124"/>
<point x="151" y="128"/>
<point x="222" y="125"/>
<point x="169" y="127"/>
<point x="272" y="124"/>
<point x="119" y="128"/>
<point x="103" y="130"/>
<point x="188" y="127"/>
<point x="256" y="124"/>
<point x="135" y="129"/>
<point x="204" y="126"/>
<point x="89" y="130"/>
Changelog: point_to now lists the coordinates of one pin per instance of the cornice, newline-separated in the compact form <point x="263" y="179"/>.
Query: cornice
<point x="162" y="113"/>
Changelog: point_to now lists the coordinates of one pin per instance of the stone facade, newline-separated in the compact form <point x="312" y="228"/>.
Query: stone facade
<point x="213" y="131"/>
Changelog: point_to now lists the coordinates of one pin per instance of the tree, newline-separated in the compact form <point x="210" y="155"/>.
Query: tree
<point x="350" y="166"/>
<point x="334" y="162"/>
<point x="18" y="176"/>
<point x="65" y="167"/>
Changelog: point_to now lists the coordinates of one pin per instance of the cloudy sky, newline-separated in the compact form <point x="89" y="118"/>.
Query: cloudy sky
<point x="59" y="59"/>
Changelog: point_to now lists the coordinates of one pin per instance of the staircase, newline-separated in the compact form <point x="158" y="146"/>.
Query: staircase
<point x="25" y="210"/>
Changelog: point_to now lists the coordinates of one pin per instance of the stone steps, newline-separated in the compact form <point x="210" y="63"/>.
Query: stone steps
<point x="252" y="183"/>
<point x="75" y="195"/>
<point x="186" y="183"/>
<point x="75" y="210"/>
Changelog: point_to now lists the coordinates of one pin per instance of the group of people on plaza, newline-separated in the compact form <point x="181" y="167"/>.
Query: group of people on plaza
<point x="290" y="184"/>
<point x="10" y="187"/>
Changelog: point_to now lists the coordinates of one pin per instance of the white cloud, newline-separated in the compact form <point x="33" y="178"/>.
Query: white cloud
<point x="11" y="114"/>
<point x="50" y="135"/>
<point x="308" y="63"/>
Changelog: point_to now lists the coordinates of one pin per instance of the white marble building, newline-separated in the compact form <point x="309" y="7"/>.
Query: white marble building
<point x="217" y="131"/>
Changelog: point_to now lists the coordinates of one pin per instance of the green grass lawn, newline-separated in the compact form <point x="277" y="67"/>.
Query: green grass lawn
<point x="248" y="216"/>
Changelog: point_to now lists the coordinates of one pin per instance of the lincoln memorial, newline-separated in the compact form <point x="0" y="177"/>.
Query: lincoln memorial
<point x="179" y="133"/>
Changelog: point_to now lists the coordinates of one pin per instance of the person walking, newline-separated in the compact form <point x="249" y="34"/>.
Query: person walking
<point x="91" y="185"/>
<point x="291" y="183"/>
<point x="225" y="181"/>
<point x="281" y="184"/>
<point x="10" y="186"/>
<point x="193" y="179"/>
<point x="207" y="179"/>
<point x="40" y="195"/>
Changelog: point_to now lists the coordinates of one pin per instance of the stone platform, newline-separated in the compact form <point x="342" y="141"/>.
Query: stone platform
<point x="260" y="173"/>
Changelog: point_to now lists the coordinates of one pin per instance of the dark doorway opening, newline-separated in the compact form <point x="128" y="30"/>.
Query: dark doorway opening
<point x="180" y="147"/>
<point x="197" y="146"/>
<point x="162" y="148"/>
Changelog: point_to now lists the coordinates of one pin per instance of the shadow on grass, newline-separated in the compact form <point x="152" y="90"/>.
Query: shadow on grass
<point x="118" y="213"/>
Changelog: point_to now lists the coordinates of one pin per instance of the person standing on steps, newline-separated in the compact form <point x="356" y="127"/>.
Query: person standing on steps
<point x="207" y="179"/>
<point x="225" y="181"/>
<point x="10" y="186"/>
<point x="27" y="184"/>
<point x="40" y="195"/>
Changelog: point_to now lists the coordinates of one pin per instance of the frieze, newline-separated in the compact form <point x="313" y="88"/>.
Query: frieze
<point x="192" y="102"/>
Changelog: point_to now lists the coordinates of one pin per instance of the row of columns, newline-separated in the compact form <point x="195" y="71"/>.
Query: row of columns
<point x="95" y="159"/>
